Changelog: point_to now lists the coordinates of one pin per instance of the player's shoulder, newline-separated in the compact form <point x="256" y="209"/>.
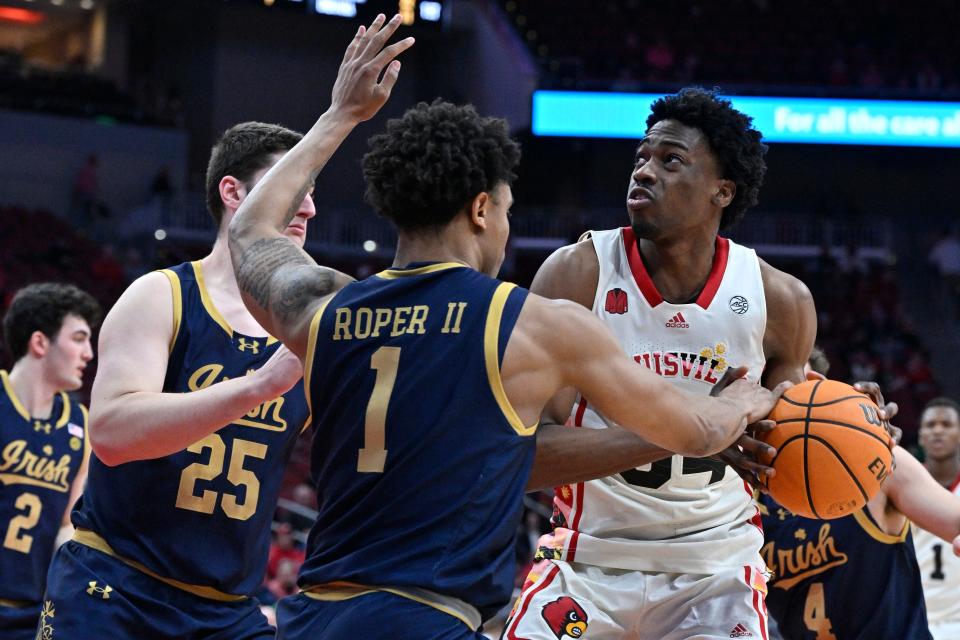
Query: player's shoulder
<point x="571" y="272"/>
<point x="148" y="299"/>
<point x="782" y="290"/>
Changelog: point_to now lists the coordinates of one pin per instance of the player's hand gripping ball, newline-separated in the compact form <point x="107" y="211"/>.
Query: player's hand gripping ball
<point x="832" y="450"/>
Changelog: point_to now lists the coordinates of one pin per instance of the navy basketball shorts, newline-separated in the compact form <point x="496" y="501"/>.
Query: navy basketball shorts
<point x="372" y="616"/>
<point x="19" y="623"/>
<point x="93" y="595"/>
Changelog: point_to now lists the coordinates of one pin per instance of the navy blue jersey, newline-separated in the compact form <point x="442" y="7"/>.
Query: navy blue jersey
<point x="39" y="459"/>
<point x="201" y="516"/>
<point x="419" y="460"/>
<point x="842" y="579"/>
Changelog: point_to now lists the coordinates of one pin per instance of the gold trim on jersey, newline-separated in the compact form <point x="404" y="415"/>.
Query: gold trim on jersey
<point x="491" y="355"/>
<point x="65" y="414"/>
<point x="93" y="540"/>
<point x="338" y="591"/>
<point x="86" y="438"/>
<point x="212" y="310"/>
<point x="15" y="604"/>
<point x="14" y="400"/>
<point x="308" y="361"/>
<point x="876" y="532"/>
<point x="177" y="304"/>
<point x="393" y="274"/>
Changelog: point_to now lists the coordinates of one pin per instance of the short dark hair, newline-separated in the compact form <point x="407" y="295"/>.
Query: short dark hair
<point x="241" y="151"/>
<point x="433" y="161"/>
<point x="731" y="137"/>
<point x="943" y="403"/>
<point x="818" y="361"/>
<point x="43" y="307"/>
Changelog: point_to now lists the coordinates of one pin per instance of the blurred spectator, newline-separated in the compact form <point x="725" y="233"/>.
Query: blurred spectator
<point x="304" y="496"/>
<point x="285" y="582"/>
<point x="284" y="548"/>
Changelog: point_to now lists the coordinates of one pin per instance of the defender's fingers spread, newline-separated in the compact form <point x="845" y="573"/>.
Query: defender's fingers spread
<point x="390" y="76"/>
<point x="354" y="45"/>
<point x="380" y="38"/>
<point x="391" y="52"/>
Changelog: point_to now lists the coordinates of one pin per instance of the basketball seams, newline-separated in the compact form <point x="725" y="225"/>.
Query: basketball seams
<point x="806" y="456"/>
<point x="837" y="423"/>
<point x="843" y="462"/>
<point x="824" y="404"/>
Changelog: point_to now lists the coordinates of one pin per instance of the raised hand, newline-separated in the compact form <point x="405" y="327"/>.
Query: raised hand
<point x="359" y="91"/>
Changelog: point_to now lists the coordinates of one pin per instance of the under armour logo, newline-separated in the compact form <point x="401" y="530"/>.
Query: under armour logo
<point x="253" y="345"/>
<point x="41" y="426"/>
<point x="104" y="591"/>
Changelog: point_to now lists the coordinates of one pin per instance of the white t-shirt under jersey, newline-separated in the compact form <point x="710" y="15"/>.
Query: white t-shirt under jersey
<point x="678" y="515"/>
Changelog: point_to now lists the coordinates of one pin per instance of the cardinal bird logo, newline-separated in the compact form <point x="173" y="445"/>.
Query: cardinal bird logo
<point x="565" y="617"/>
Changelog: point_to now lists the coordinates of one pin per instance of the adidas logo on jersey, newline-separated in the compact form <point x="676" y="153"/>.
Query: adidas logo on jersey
<point x="677" y="322"/>
<point x="740" y="631"/>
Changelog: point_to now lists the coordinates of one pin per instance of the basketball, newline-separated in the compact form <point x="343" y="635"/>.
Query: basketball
<point x="832" y="452"/>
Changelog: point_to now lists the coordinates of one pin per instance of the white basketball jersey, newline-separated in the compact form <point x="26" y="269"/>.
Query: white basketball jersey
<point x="679" y="515"/>
<point x="940" y="572"/>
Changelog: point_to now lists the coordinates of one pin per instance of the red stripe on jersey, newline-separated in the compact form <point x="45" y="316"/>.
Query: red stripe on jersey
<point x="953" y="485"/>
<point x="720" y="254"/>
<point x="575" y="525"/>
<point x="581" y="408"/>
<point x="572" y="547"/>
<point x="758" y="605"/>
<point x="512" y="628"/>
<point x="647" y="288"/>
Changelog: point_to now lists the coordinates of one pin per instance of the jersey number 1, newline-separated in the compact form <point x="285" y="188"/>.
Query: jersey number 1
<point x="372" y="458"/>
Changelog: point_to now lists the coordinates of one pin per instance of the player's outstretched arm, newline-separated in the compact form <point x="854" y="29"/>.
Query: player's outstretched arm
<point x="914" y="492"/>
<point x="130" y="416"/>
<point x="565" y="455"/>
<point x="581" y="353"/>
<point x="280" y="284"/>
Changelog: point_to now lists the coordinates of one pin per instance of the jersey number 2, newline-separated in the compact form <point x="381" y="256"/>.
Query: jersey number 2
<point x="14" y="540"/>
<point x="372" y="458"/>
<point x="236" y="475"/>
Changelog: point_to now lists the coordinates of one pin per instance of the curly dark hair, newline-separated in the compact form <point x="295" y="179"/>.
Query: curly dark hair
<point x="734" y="142"/>
<point x="241" y="151"/>
<point x="42" y="307"/>
<point x="433" y="161"/>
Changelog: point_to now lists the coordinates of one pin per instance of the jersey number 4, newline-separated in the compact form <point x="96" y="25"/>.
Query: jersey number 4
<point x="206" y="502"/>
<point x="657" y="474"/>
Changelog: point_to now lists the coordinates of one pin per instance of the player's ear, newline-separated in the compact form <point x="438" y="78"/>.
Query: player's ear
<point x="726" y="190"/>
<point x="232" y="193"/>
<point x="38" y="344"/>
<point x="479" y="209"/>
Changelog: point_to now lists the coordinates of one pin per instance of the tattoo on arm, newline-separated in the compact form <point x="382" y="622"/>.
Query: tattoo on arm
<point x="299" y="287"/>
<point x="273" y="269"/>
